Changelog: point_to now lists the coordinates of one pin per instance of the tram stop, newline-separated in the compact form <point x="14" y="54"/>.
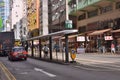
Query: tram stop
<point x="59" y="39"/>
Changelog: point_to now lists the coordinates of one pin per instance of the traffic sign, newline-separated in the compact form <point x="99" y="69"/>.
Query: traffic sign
<point x="68" y="24"/>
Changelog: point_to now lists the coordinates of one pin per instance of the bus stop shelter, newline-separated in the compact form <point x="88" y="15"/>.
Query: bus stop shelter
<point x="50" y="37"/>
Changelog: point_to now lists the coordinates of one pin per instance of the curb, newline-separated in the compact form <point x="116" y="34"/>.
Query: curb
<point x="53" y="61"/>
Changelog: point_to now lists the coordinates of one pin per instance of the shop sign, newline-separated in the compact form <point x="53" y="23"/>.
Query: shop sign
<point x="80" y="50"/>
<point x="108" y="38"/>
<point x="80" y="38"/>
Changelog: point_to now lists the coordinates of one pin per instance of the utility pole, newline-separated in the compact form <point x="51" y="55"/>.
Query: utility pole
<point x="67" y="11"/>
<point x="66" y="36"/>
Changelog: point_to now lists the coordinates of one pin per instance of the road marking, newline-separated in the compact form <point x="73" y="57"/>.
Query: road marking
<point x="47" y="73"/>
<point x="7" y="72"/>
<point x="24" y="73"/>
<point x="96" y="68"/>
<point x="109" y="66"/>
<point x="96" y="61"/>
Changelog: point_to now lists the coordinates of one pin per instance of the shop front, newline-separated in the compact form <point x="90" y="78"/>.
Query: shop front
<point x="116" y="35"/>
<point x="98" y="41"/>
<point x="81" y="41"/>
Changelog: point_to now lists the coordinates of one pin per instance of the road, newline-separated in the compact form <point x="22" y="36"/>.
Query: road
<point x="40" y="70"/>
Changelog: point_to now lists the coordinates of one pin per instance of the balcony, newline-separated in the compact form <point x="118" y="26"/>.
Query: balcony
<point x="69" y="1"/>
<point x="82" y="4"/>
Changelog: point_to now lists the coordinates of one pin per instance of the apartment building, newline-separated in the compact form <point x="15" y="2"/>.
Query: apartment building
<point x="57" y="15"/>
<point x="98" y="20"/>
<point x="18" y="17"/>
<point x="43" y="17"/>
<point x="2" y="14"/>
<point x="33" y="17"/>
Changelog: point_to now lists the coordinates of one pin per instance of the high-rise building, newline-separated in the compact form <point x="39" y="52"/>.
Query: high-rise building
<point x="7" y="9"/>
<point x="2" y="13"/>
<point x="43" y="17"/>
<point x="18" y="18"/>
<point x="6" y="16"/>
<point x="57" y="15"/>
<point x="2" y="9"/>
<point x="33" y="17"/>
<point x="98" y="20"/>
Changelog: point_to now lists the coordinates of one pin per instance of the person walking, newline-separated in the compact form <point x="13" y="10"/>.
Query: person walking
<point x="103" y="49"/>
<point x="112" y="48"/>
<point x="45" y="50"/>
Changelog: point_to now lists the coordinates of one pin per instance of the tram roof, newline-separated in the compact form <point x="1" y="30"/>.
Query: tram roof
<point x="63" y="32"/>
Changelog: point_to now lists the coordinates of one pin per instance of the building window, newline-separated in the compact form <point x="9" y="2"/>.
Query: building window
<point x="81" y="17"/>
<point x="16" y="15"/>
<point x="117" y="5"/>
<point x="93" y="13"/>
<point x="106" y="9"/>
<point x="82" y="29"/>
<point x="24" y="30"/>
<point x="92" y="26"/>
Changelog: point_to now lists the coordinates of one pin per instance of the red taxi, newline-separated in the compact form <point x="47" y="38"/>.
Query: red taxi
<point x="17" y="53"/>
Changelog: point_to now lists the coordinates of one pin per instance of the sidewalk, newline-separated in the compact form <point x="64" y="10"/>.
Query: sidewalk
<point x="108" y="60"/>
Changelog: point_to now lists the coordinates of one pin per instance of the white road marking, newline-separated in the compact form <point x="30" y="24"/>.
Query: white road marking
<point x="24" y="73"/>
<point x="47" y="73"/>
<point x="95" y="61"/>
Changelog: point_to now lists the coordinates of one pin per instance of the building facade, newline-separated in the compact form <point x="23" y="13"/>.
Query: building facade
<point x="43" y="17"/>
<point x="57" y="15"/>
<point x="33" y="17"/>
<point x="18" y="17"/>
<point x="98" y="20"/>
<point x="2" y="14"/>
<point x="7" y="12"/>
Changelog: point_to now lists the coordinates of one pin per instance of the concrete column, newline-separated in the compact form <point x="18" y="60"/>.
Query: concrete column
<point x="40" y="48"/>
<point x="114" y="5"/>
<point x="50" y="47"/>
<point x="32" y="49"/>
<point x="66" y="49"/>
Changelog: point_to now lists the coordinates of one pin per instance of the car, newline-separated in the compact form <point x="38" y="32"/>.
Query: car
<point x="4" y="52"/>
<point x="17" y="53"/>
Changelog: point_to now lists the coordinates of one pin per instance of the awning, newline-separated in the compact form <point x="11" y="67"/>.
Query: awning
<point x="99" y="32"/>
<point x="64" y="32"/>
<point x="82" y="34"/>
<point x="115" y="31"/>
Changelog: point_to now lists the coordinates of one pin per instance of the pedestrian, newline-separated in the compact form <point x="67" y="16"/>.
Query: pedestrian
<point x="112" y="48"/>
<point x="118" y="47"/>
<point x="26" y="46"/>
<point x="64" y="49"/>
<point x="45" y="50"/>
<point x="103" y="49"/>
